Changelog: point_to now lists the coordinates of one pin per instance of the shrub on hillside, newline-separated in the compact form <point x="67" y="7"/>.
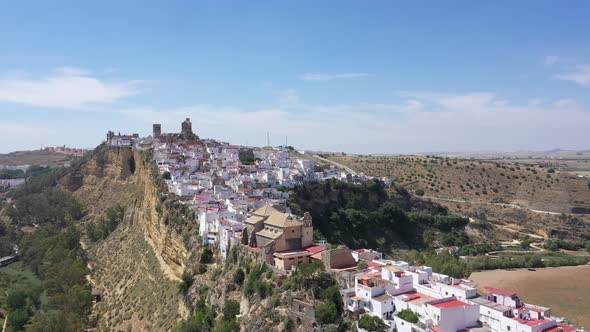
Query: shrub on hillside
<point x="372" y="323"/>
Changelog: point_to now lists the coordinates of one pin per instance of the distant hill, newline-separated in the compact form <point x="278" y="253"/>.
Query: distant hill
<point x="511" y="192"/>
<point x="35" y="157"/>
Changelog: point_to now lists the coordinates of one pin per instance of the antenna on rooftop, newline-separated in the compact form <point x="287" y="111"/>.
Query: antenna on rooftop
<point x="286" y="141"/>
<point x="267" y="138"/>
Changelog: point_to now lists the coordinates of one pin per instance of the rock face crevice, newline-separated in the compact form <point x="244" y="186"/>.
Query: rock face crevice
<point x="138" y="266"/>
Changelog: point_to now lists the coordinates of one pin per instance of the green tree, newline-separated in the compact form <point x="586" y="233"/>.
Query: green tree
<point x="326" y="313"/>
<point x="18" y="318"/>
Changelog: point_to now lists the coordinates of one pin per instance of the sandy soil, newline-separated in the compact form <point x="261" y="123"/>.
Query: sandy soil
<point x="564" y="289"/>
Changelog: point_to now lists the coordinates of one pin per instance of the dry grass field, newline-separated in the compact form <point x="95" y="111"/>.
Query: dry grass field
<point x="564" y="289"/>
<point x="35" y="157"/>
<point x="539" y="188"/>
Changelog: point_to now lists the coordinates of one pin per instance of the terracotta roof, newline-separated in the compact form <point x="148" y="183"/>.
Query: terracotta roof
<point x="500" y="291"/>
<point x="291" y="253"/>
<point x="269" y="234"/>
<point x="530" y="322"/>
<point x="560" y="328"/>
<point x="317" y="255"/>
<point x="314" y="248"/>
<point x="382" y="298"/>
<point x="451" y="303"/>
<point x="254" y="219"/>
<point x="280" y="219"/>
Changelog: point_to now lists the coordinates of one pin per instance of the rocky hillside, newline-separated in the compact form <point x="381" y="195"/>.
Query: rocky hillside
<point x="136" y="269"/>
<point x="522" y="197"/>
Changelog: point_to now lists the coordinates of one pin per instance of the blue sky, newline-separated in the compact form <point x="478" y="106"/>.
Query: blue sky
<point x="354" y="76"/>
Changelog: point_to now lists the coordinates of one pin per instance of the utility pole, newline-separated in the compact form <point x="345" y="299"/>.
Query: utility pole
<point x="267" y="138"/>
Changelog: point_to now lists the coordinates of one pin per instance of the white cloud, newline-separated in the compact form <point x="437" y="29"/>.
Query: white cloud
<point x="429" y="121"/>
<point x="581" y="75"/>
<point x="551" y="60"/>
<point x="66" y="87"/>
<point x="463" y="102"/>
<point x="565" y="103"/>
<point x="329" y="77"/>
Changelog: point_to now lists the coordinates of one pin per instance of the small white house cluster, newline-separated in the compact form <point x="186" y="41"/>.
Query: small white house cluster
<point x="441" y="303"/>
<point x="225" y="192"/>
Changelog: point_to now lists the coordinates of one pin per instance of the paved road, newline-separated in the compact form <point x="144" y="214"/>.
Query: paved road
<point x="346" y="168"/>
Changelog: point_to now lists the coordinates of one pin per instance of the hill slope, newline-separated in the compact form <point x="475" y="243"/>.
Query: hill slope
<point x="34" y="157"/>
<point x="510" y="194"/>
<point x="138" y="266"/>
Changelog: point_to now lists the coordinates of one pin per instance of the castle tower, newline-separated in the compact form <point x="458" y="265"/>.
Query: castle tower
<point x="187" y="127"/>
<point x="157" y="130"/>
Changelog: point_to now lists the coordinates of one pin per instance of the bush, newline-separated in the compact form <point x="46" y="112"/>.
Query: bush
<point x="526" y="243"/>
<point x="227" y="326"/>
<point x="187" y="281"/>
<point x="16" y="299"/>
<point x="408" y="315"/>
<point x="206" y="255"/>
<point x="239" y="276"/>
<point x="231" y="309"/>
<point x="372" y="323"/>
<point x="419" y="192"/>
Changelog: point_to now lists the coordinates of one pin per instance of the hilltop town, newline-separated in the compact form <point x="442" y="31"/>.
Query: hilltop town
<point x="239" y="196"/>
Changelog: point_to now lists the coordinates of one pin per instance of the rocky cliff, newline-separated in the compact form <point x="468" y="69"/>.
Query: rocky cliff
<point x="136" y="269"/>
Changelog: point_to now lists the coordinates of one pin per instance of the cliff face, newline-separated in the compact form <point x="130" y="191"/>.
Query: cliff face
<point x="138" y="266"/>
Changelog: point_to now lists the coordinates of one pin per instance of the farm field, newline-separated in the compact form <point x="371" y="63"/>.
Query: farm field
<point x="566" y="290"/>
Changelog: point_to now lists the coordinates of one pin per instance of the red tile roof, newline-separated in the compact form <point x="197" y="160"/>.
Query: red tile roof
<point x="373" y="264"/>
<point x="451" y="303"/>
<point x="500" y="291"/>
<point x="530" y="322"/>
<point x="564" y="328"/>
<point x="314" y="248"/>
